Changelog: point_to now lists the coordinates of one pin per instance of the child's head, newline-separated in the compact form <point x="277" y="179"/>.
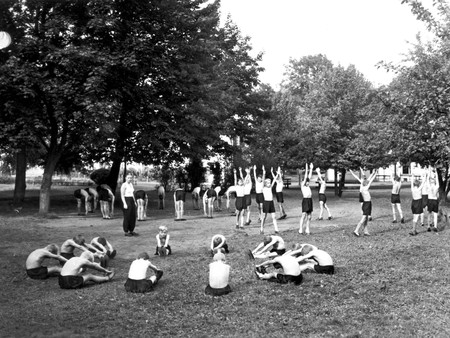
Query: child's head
<point x="267" y="182"/>
<point x="259" y="178"/>
<point x="307" y="182"/>
<point x="163" y="229"/>
<point x="306" y="249"/>
<point x="416" y="183"/>
<point x="79" y="239"/>
<point x="219" y="257"/>
<point x="87" y="255"/>
<point x="102" y="241"/>
<point x="365" y="182"/>
<point x="240" y="182"/>
<point x="217" y="241"/>
<point x="397" y="178"/>
<point x="143" y="255"/>
<point x="432" y="181"/>
<point x="267" y="240"/>
<point x="53" y="248"/>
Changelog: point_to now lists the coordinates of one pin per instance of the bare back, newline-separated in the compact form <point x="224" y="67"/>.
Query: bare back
<point x="36" y="258"/>
<point x="74" y="266"/>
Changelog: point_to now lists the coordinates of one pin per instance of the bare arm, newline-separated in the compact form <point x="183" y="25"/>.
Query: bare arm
<point x="97" y="267"/>
<point x="254" y="172"/>
<point x="158" y="241"/>
<point x="306" y="174"/>
<point x="235" y="177"/>
<point x="266" y="263"/>
<point x="167" y="240"/>
<point x="354" y="175"/>
<point x="310" y="171"/>
<point x="302" y="258"/>
<point x="319" y="176"/>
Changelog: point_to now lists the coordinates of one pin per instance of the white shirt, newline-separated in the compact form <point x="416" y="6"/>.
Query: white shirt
<point x="128" y="189"/>
<point x="138" y="269"/>
<point x="219" y="273"/>
<point x="259" y="187"/>
<point x="268" y="194"/>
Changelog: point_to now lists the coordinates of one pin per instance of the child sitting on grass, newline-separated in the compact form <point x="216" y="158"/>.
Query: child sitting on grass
<point x="162" y="242"/>
<point x="291" y="270"/>
<point x="218" y="242"/>
<point x="34" y="267"/>
<point x="137" y="281"/>
<point x="271" y="246"/>
<point x="104" y="250"/>
<point x="69" y="246"/>
<point x="73" y="275"/>
<point x="219" y="274"/>
<point x="320" y="261"/>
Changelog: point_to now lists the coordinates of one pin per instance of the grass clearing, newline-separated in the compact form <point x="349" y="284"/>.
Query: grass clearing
<point x="388" y="284"/>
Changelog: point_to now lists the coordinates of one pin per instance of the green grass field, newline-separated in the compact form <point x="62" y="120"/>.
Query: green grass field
<point x="387" y="285"/>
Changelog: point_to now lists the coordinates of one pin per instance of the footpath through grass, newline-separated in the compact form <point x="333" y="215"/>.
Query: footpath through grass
<point x="389" y="284"/>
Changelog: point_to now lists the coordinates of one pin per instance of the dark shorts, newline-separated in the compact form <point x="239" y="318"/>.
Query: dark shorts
<point x="38" y="273"/>
<point x="138" y="286"/>
<point x="416" y="207"/>
<point x="159" y="248"/>
<point x="70" y="282"/>
<point x="211" y="193"/>
<point x="367" y="208"/>
<point x="395" y="199"/>
<point x="103" y="195"/>
<point x="307" y="205"/>
<point x="284" y="279"/>
<point x="279" y="251"/>
<point x="424" y="201"/>
<point x="326" y="269"/>
<point x="323" y="198"/>
<point x="248" y="200"/>
<point x="361" y="199"/>
<point x="217" y="292"/>
<point x="433" y="205"/>
<point x="180" y="195"/>
<point x="77" y="193"/>
<point x="239" y="204"/>
<point x="260" y="198"/>
<point x="268" y="207"/>
<point x="140" y="195"/>
<point x="280" y="198"/>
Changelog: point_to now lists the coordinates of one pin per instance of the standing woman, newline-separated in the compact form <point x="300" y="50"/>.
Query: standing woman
<point x="129" y="206"/>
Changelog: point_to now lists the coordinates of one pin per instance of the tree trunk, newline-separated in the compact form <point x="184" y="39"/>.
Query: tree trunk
<point x="20" y="183"/>
<point x="44" y="194"/>
<point x="342" y="182"/>
<point x="114" y="173"/>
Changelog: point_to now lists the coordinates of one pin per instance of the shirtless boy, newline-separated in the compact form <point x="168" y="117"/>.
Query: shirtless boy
<point x="395" y="198"/>
<point x="322" y="196"/>
<point x="416" y="203"/>
<point x="321" y="260"/>
<point x="279" y="192"/>
<point x="367" y="202"/>
<point x="36" y="270"/>
<point x="248" y="185"/>
<point x="268" y="205"/>
<point x="433" y="199"/>
<point x="219" y="275"/>
<point x="69" y="246"/>
<point x="270" y="247"/>
<point x="259" y="185"/>
<point x="240" y="203"/>
<point x="73" y="275"/>
<point x="307" y="205"/>
<point x="291" y="270"/>
<point x="82" y="195"/>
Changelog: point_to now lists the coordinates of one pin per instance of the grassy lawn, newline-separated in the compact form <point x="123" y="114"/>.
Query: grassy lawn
<point x="387" y="285"/>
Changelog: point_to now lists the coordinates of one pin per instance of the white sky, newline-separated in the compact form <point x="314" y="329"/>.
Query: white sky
<point x="359" y="32"/>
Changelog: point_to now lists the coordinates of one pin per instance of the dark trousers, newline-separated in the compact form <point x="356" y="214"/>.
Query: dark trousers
<point x="129" y="215"/>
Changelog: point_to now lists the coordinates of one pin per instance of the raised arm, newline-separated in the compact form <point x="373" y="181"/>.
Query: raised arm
<point x="235" y="176"/>
<point x="354" y="175"/>
<point x="311" y="166"/>
<point x="306" y="174"/>
<point x="263" y="173"/>
<point x="319" y="175"/>
<point x="273" y="174"/>
<point x="240" y="174"/>
<point x="372" y="177"/>
<point x="248" y="177"/>
<point x="254" y="172"/>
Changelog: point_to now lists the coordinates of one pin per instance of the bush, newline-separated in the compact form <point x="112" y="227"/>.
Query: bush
<point x="7" y="180"/>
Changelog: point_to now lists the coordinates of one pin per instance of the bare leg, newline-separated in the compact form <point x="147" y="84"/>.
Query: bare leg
<point x="400" y="212"/>
<point x="263" y="219"/>
<point x="97" y="279"/>
<point x="274" y="220"/>
<point x="393" y="214"/>
<point x="308" y="221"/>
<point x="300" y="230"/>
<point x="53" y="270"/>
<point x="321" y="210"/>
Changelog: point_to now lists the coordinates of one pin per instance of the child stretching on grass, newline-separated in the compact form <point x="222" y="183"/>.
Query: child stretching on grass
<point x="321" y="260"/>
<point x="291" y="270"/>
<point x="73" y="275"/>
<point x="219" y="275"/>
<point x="104" y="250"/>
<point x="271" y="246"/>
<point x="69" y="246"/>
<point x="218" y="243"/>
<point x="137" y="281"/>
<point x="162" y="242"/>
<point x="36" y="270"/>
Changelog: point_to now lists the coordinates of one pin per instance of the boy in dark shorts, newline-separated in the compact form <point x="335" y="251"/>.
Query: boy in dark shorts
<point x="416" y="203"/>
<point x="106" y="196"/>
<point x="322" y="197"/>
<point x="259" y="185"/>
<point x="367" y="202"/>
<point x="137" y="281"/>
<point x="73" y="275"/>
<point x="239" y="203"/>
<point x="82" y="195"/>
<point x="162" y="242"/>
<point x="319" y="260"/>
<point x="279" y="192"/>
<point x="179" y="197"/>
<point x="291" y="270"/>
<point x="395" y="198"/>
<point x="268" y="205"/>
<point x="211" y="196"/>
<point x="103" y="249"/>
<point x="248" y="185"/>
<point x="307" y="205"/>
<point x="219" y="275"/>
<point x="36" y="270"/>
<point x="141" y="198"/>
<point x="69" y="246"/>
<point x="433" y="199"/>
